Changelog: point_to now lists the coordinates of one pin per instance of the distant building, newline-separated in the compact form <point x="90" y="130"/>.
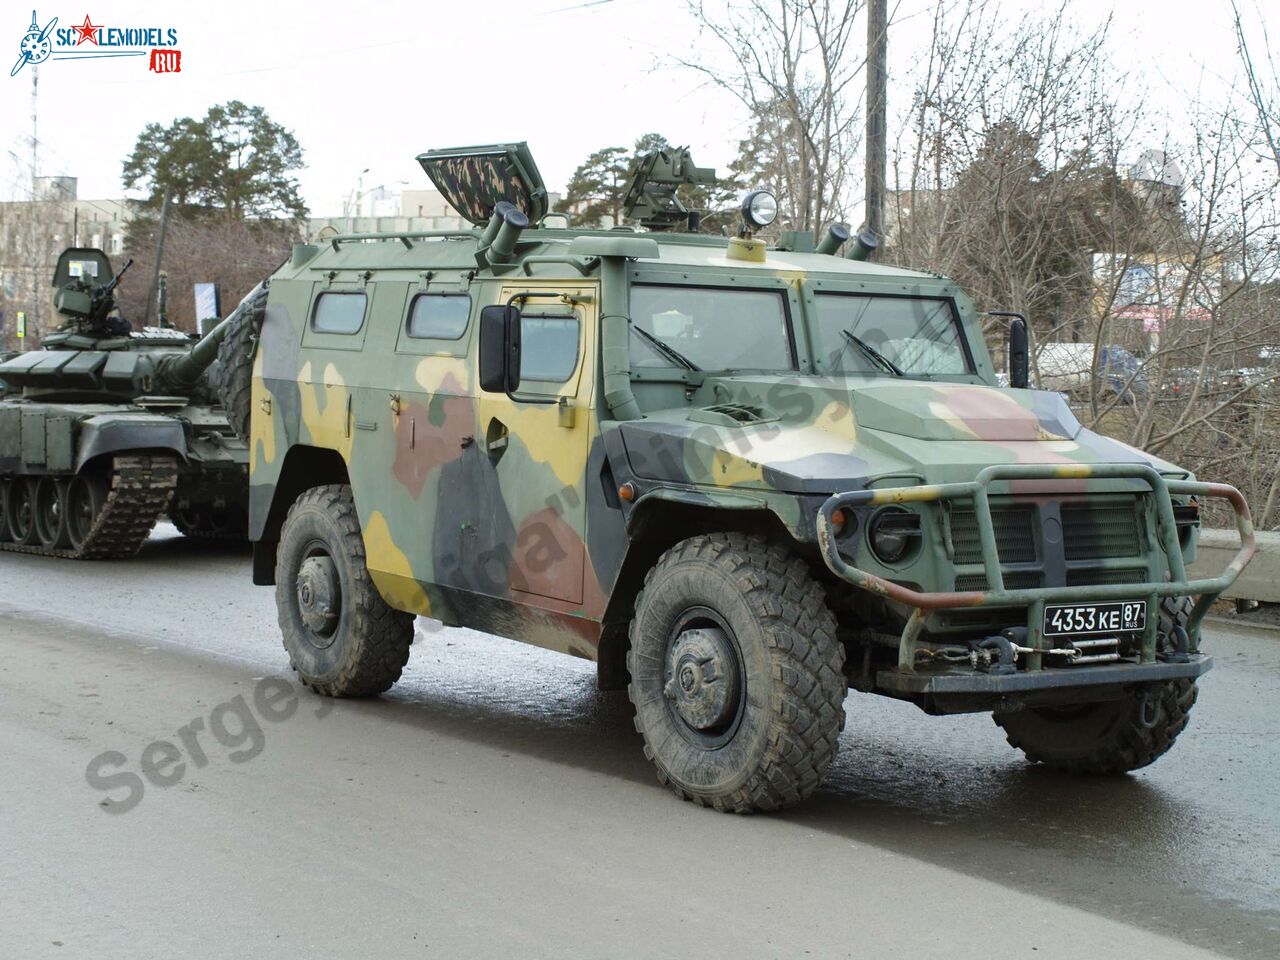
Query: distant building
<point x="33" y="233"/>
<point x="385" y="211"/>
<point x="1163" y="277"/>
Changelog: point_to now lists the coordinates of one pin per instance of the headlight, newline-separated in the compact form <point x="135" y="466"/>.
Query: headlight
<point x="894" y="534"/>
<point x="759" y="208"/>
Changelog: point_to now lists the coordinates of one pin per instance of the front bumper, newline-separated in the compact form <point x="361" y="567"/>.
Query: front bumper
<point x="1176" y="583"/>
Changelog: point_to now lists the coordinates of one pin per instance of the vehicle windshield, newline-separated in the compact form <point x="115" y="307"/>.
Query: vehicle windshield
<point x="917" y="336"/>
<point x="709" y="328"/>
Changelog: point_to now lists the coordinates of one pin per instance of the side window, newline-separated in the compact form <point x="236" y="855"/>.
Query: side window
<point x="338" y="313"/>
<point x="549" y="347"/>
<point x="437" y="316"/>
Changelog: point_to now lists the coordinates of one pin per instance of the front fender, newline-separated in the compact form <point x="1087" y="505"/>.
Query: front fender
<point x="110" y="433"/>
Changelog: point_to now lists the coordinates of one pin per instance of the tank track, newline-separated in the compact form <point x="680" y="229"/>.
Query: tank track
<point x="141" y="486"/>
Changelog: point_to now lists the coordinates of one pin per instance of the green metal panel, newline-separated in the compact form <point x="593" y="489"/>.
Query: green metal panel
<point x="10" y="432"/>
<point x="82" y="370"/>
<point x="58" y="432"/>
<point x="33" y="436"/>
<point x="119" y="371"/>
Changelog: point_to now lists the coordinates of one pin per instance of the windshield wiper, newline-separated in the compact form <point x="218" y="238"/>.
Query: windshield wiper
<point x="668" y="351"/>
<point x="874" y="355"/>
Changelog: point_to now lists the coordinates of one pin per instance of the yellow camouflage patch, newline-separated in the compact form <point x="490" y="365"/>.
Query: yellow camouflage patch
<point x="262" y="425"/>
<point x="538" y="429"/>
<point x="728" y="470"/>
<point x="433" y="373"/>
<point x="391" y="570"/>
<point x="327" y="422"/>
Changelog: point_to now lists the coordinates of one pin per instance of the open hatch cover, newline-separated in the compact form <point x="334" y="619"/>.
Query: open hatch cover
<point x="474" y="179"/>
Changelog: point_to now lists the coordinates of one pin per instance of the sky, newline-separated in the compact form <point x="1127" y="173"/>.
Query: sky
<point x="372" y="85"/>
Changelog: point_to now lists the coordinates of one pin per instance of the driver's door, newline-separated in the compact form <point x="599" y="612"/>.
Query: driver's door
<point x="537" y="444"/>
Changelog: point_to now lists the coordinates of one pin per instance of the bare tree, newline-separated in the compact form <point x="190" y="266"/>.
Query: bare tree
<point x="1262" y="89"/>
<point x="29" y="245"/>
<point x="998" y="162"/>
<point x="236" y="254"/>
<point x="1021" y="172"/>
<point x="794" y="65"/>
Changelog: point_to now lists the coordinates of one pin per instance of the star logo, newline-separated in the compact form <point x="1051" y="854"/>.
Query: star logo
<point x="88" y="31"/>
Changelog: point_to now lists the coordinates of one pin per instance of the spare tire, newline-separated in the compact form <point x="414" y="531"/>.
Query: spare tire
<point x="233" y="373"/>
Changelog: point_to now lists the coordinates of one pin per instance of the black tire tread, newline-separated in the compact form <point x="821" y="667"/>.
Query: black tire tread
<point x="808" y="664"/>
<point x="1129" y="745"/>
<point x="232" y="375"/>
<point x="139" y="489"/>
<point x="381" y="633"/>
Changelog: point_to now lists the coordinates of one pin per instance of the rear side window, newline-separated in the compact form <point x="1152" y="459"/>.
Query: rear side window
<point x="549" y="347"/>
<point x="436" y="316"/>
<point x="338" y="313"/>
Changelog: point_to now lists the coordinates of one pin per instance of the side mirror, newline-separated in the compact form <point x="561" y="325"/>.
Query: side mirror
<point x="499" y="349"/>
<point x="1019" y="352"/>
<point x="1019" y="361"/>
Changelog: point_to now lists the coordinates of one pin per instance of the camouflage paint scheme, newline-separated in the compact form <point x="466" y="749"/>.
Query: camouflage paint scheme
<point x="505" y="516"/>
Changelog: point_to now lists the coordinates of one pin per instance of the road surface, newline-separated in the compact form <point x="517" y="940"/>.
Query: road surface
<point x="494" y="804"/>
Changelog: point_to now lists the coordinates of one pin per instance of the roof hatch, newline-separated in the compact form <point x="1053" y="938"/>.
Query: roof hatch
<point x="474" y="179"/>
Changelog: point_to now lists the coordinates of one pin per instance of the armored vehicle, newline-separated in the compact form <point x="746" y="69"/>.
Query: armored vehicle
<point x="105" y="428"/>
<point x="742" y="479"/>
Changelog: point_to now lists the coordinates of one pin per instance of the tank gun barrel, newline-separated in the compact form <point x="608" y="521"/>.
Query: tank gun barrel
<point x="181" y="371"/>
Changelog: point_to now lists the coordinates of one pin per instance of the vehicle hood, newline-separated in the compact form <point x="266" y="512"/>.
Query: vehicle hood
<point x="816" y="435"/>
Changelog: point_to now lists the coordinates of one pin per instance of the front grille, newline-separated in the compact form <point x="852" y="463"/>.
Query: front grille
<point x="1015" y="538"/>
<point x="1093" y="578"/>
<point x="1013" y="580"/>
<point x="1101" y="531"/>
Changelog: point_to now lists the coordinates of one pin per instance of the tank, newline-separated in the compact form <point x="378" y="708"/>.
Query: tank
<point x="106" y="429"/>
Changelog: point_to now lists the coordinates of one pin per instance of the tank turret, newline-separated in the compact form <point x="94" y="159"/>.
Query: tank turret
<point x="81" y="369"/>
<point x="96" y="355"/>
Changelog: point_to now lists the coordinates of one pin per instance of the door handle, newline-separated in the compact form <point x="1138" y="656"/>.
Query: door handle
<point x="495" y="440"/>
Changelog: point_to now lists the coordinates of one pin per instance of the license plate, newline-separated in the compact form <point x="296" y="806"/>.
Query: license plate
<point x="1095" y="619"/>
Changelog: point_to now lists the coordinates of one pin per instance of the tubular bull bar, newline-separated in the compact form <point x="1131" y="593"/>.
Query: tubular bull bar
<point x="1162" y="489"/>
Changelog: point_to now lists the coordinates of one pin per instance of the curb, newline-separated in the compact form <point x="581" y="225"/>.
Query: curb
<point x="1268" y="630"/>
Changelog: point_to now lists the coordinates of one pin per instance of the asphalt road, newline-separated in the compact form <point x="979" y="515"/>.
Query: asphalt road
<point x="494" y="804"/>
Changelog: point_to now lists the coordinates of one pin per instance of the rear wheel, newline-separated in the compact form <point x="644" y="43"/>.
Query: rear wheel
<point x="4" y="509"/>
<point x="20" y="510"/>
<point x="50" y="512"/>
<point x="1114" y="736"/>
<point x="736" y="674"/>
<point x="342" y="637"/>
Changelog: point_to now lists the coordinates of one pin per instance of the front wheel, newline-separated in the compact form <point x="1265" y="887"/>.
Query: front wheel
<point x="736" y="674"/>
<point x="342" y="637"/>
<point x="1114" y="736"/>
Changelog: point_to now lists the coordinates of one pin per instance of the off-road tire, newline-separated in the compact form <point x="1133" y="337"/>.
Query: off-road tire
<point x="232" y="375"/>
<point x="792" y="663"/>
<point x="1114" y="736"/>
<point x="370" y="644"/>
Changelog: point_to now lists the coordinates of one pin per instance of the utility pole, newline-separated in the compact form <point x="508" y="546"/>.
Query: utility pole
<point x="37" y="245"/>
<point x="155" y="275"/>
<point x="877" y="84"/>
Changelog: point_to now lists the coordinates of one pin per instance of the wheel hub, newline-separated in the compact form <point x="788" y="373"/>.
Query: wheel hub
<point x="703" y="685"/>
<point x="319" y="595"/>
